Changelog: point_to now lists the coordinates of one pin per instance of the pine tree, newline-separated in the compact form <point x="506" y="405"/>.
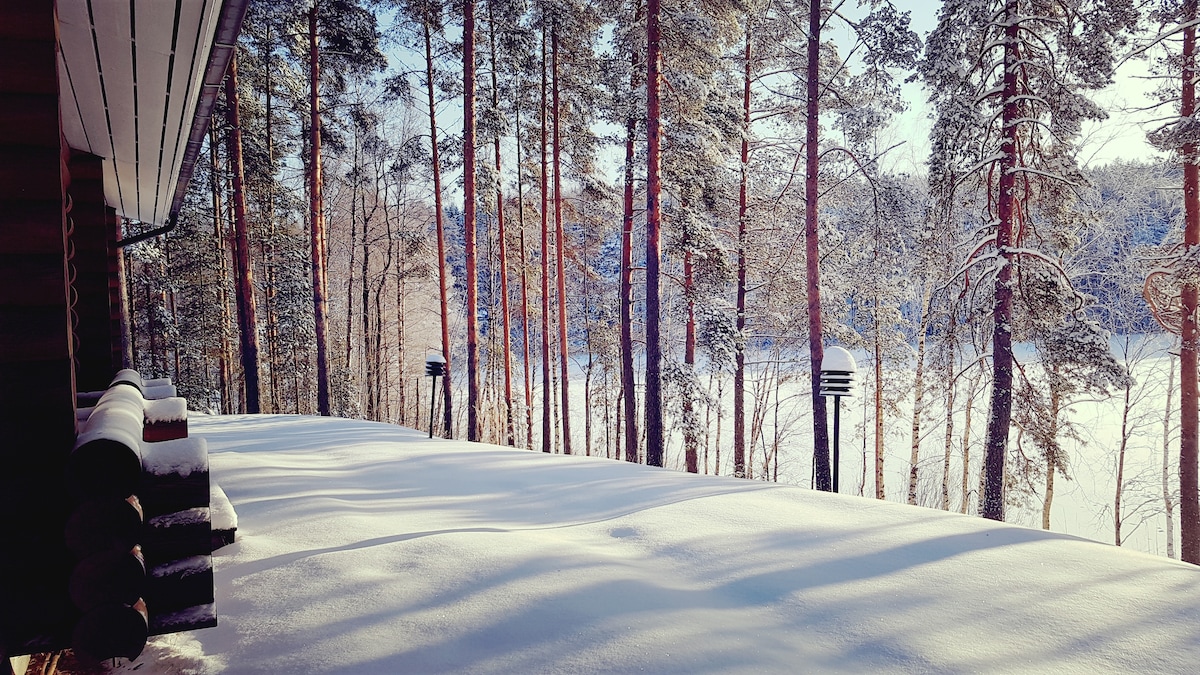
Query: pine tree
<point x="1179" y="136"/>
<point x="654" y="346"/>
<point x="1007" y="81"/>
<point x="247" y="312"/>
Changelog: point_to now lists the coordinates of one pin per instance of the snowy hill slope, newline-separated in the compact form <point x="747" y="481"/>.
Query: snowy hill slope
<point x="367" y="548"/>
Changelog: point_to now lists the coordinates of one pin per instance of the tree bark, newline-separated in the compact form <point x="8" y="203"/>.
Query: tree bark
<point x="401" y="352"/>
<point x="1120" y="466"/>
<point x="1053" y="461"/>
<point x="524" y="291"/>
<point x="225" y="377"/>
<point x="918" y="400"/>
<point x="469" y="219"/>
<point x="438" y="218"/>
<point x="317" y="215"/>
<point x="878" y="368"/>
<point x="739" y="358"/>
<point x="1000" y="410"/>
<point x="560" y="247"/>
<point x="966" y="448"/>
<point x="720" y="415"/>
<point x="381" y="397"/>
<point x="690" y="424"/>
<point x="589" y="371"/>
<point x="1189" y="395"/>
<point x="547" y="390"/>
<point x="950" y="389"/>
<point x="272" y="289"/>
<point x="509" y="428"/>
<point x="348" y="360"/>
<point x="1168" y="500"/>
<point x="816" y="350"/>
<point x="654" y="401"/>
<point x="368" y="356"/>
<point x="628" y="391"/>
<point x="246" y="305"/>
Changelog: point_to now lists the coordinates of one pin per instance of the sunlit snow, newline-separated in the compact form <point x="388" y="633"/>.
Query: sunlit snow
<point x="368" y="548"/>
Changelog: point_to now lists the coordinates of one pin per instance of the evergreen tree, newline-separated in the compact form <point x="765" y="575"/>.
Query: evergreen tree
<point x="1007" y="81"/>
<point x="1179" y="135"/>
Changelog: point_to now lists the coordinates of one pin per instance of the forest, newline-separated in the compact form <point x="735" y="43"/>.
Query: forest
<point x="633" y="228"/>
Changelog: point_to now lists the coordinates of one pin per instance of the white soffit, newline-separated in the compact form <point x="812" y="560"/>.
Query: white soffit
<point x="130" y="73"/>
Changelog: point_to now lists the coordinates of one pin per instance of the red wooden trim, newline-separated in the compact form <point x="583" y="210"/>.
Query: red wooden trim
<point x="165" y="431"/>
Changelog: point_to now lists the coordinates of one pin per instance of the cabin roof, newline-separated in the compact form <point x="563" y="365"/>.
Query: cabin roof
<point x="139" y="79"/>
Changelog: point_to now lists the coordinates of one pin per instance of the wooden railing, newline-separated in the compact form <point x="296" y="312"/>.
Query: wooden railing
<point x="140" y="530"/>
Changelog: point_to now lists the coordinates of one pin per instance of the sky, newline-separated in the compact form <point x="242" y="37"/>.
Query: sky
<point x="1120" y="137"/>
<point x="369" y="548"/>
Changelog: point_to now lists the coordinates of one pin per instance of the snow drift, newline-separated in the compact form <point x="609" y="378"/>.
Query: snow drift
<point x="368" y="548"/>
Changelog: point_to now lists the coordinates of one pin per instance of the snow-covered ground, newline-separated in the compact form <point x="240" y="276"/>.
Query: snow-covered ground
<point x="368" y="548"/>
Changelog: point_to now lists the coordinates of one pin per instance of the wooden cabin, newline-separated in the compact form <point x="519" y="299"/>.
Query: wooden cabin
<point x="103" y="108"/>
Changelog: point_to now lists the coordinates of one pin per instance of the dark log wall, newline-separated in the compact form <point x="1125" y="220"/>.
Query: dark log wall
<point x="93" y="263"/>
<point x="37" y="390"/>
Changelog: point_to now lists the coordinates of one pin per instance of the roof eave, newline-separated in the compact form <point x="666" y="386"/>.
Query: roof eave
<point x="224" y="43"/>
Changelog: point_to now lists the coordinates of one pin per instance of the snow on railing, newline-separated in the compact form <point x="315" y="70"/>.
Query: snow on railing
<point x="141" y="487"/>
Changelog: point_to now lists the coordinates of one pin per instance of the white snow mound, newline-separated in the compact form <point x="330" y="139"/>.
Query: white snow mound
<point x="367" y="548"/>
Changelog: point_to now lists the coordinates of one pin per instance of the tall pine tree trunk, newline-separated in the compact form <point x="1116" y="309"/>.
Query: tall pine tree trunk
<point x="381" y="395"/>
<point x="739" y="362"/>
<point x="272" y="290"/>
<point x="547" y="389"/>
<point x="524" y="290"/>
<point x="244" y="291"/>
<point x="739" y="357"/>
<point x="654" y="399"/>
<point x="589" y="372"/>
<point x="509" y="429"/>
<point x="816" y="349"/>
<point x="439" y="221"/>
<point x="225" y="375"/>
<point x="401" y="351"/>
<point x="560" y="247"/>
<point x="348" y="360"/>
<point x="469" y="219"/>
<point x="628" y="391"/>
<point x="316" y="214"/>
<point x="1189" y="396"/>
<point x="368" y="355"/>
<point x="1000" y="412"/>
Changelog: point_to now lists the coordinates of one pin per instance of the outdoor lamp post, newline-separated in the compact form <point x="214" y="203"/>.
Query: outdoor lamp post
<point x="435" y="365"/>
<point x="837" y="380"/>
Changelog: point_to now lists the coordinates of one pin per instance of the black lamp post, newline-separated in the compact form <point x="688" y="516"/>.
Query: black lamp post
<point x="435" y="366"/>
<point x="837" y="381"/>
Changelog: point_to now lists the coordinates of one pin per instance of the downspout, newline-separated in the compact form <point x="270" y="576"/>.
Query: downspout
<point x="150" y="234"/>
